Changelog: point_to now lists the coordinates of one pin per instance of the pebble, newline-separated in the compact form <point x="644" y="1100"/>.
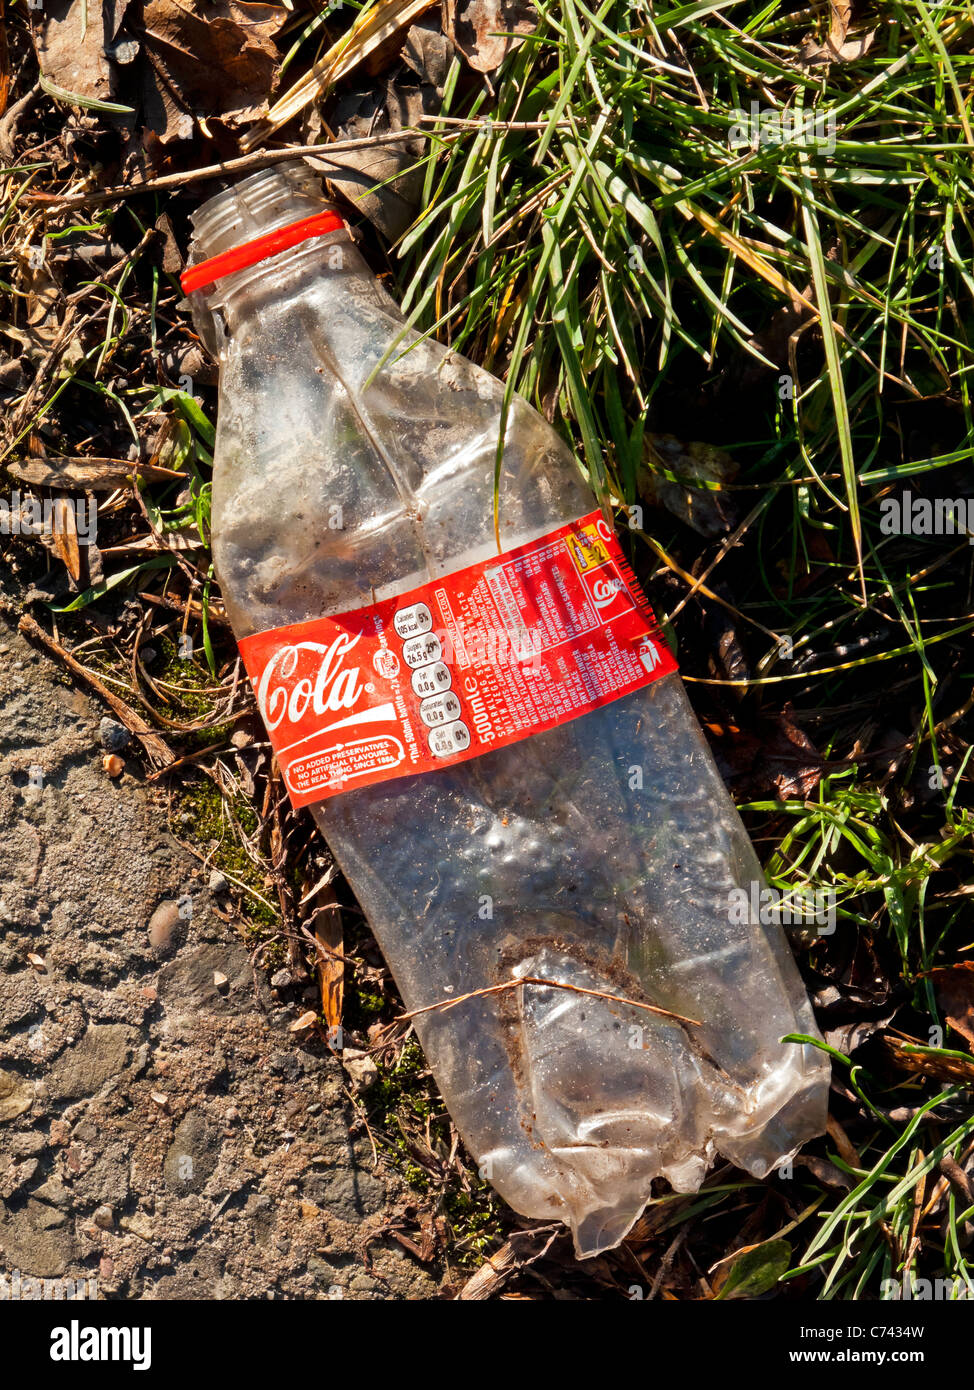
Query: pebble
<point x="218" y="882"/>
<point x="163" y="922"/>
<point x="113" y="764"/>
<point x="281" y="979"/>
<point x="361" y="1068"/>
<point x="104" y="1218"/>
<point x="113" y="736"/>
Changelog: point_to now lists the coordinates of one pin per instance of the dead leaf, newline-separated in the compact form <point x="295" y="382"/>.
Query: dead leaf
<point x="778" y="758"/>
<point x="218" y="59"/>
<point x="64" y="536"/>
<point x="954" y="987"/>
<point x="788" y="759"/>
<point x="307" y="1020"/>
<point x="826" y="1173"/>
<point x="913" y="1056"/>
<point x="43" y="304"/>
<point x="381" y="180"/>
<point x="839" y="45"/>
<point x="482" y="29"/>
<point x="88" y="474"/>
<point x="70" y="46"/>
<point x="686" y="478"/>
<point x="327" y="926"/>
<point x="373" y="28"/>
<point x="521" y="1249"/>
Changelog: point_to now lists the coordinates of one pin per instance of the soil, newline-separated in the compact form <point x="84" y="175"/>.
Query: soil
<point x="161" y="1130"/>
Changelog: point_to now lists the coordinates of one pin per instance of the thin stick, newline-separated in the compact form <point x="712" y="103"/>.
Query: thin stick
<point x="260" y="159"/>
<point x="158" y="751"/>
<point x="445" y="1004"/>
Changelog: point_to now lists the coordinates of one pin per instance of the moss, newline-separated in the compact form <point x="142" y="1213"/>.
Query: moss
<point x="199" y="812"/>
<point x="475" y="1219"/>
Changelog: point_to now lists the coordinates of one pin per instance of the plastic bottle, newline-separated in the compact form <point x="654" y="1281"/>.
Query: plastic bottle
<point x="601" y="854"/>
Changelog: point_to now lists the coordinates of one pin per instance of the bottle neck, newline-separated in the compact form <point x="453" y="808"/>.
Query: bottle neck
<point x="266" y="202"/>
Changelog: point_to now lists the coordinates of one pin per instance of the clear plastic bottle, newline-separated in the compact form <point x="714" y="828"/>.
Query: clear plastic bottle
<point x="595" y="877"/>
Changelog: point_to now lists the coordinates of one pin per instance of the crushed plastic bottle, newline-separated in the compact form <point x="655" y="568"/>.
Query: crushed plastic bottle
<point x="599" y="854"/>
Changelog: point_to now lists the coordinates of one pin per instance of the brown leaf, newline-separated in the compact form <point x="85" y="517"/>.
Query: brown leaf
<point x="383" y="180"/>
<point x="75" y="63"/>
<point x="64" y="536"/>
<point x="826" y="1173"/>
<point x="778" y="759"/>
<point x="924" y="1063"/>
<point x="218" y="59"/>
<point x="307" y="1020"/>
<point x="839" y="46"/>
<point x="94" y="474"/>
<point x="482" y="29"/>
<point x="954" y="987"/>
<point x="327" y="927"/>
<point x="788" y="758"/>
<point x="374" y="27"/>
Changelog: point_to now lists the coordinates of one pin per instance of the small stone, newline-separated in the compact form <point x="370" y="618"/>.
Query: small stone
<point x="104" y="1218"/>
<point x="26" y="1145"/>
<point x="220" y="981"/>
<point x="16" y="1095"/>
<point x="161" y="1100"/>
<point x="240" y="738"/>
<point x="54" y="1193"/>
<point x="218" y="882"/>
<point x="113" y="764"/>
<point x="60" y="1133"/>
<point x="149" y="994"/>
<point x="361" y="1068"/>
<point x="106" y="1267"/>
<point x="232" y="1114"/>
<point x="113" y="736"/>
<point x="307" y="1020"/>
<point x="137" y="1225"/>
<point x="163" y="923"/>
<point x="281" y="979"/>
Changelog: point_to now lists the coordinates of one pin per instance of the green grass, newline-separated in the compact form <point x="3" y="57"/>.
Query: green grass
<point x="619" y="263"/>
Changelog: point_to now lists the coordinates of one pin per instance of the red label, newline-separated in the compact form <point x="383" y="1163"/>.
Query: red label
<point x="484" y="657"/>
